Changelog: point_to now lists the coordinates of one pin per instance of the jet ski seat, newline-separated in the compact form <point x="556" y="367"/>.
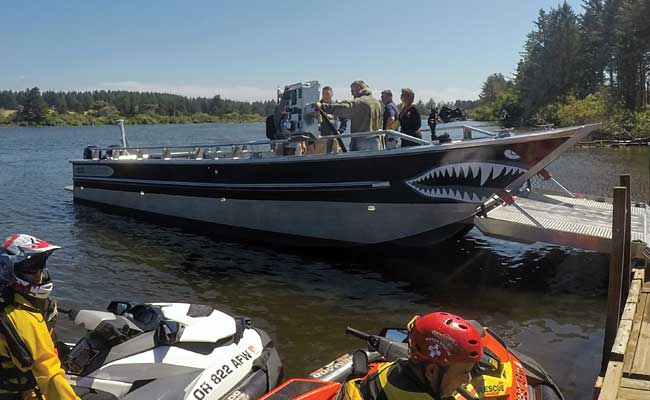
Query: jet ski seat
<point x="145" y="316"/>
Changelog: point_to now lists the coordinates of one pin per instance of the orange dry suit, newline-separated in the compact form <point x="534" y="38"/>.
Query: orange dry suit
<point x="392" y="381"/>
<point x="29" y="364"/>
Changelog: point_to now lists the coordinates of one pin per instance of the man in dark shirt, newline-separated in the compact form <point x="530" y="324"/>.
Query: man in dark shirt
<point x="432" y="121"/>
<point x="325" y="127"/>
<point x="391" y="113"/>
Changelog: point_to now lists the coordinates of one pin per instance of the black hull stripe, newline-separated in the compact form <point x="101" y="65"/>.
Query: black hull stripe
<point x="247" y="186"/>
<point x="369" y="195"/>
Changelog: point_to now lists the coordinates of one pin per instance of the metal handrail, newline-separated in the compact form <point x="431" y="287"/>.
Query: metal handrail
<point x="267" y="141"/>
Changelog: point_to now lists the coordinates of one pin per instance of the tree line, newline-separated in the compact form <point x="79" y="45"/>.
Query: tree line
<point x="104" y="106"/>
<point x="578" y="68"/>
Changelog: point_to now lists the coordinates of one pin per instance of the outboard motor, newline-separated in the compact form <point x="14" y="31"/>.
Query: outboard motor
<point x="298" y="114"/>
<point x="88" y="152"/>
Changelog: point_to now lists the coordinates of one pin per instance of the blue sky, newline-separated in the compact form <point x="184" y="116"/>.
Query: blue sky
<point x="245" y="49"/>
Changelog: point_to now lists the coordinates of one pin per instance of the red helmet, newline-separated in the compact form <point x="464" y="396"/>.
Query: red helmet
<point x="442" y="338"/>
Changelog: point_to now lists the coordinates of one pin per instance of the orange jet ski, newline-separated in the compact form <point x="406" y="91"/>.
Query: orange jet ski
<point x="502" y="374"/>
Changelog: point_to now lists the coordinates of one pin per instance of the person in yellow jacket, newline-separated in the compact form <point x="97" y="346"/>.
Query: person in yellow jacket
<point x="443" y="349"/>
<point x="29" y="364"/>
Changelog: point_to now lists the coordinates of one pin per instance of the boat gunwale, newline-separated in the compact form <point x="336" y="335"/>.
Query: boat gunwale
<point x="432" y="148"/>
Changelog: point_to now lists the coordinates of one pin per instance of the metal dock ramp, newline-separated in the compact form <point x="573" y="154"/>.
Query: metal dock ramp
<point x="566" y="221"/>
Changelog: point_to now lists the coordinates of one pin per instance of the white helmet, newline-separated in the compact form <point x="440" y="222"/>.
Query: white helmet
<point x="26" y="254"/>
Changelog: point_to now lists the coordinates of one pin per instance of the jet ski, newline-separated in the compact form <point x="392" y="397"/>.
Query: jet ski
<point x="451" y="114"/>
<point x="168" y="351"/>
<point x="502" y="373"/>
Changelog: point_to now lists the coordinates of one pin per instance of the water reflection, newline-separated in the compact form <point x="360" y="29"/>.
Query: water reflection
<point x="547" y="301"/>
<point x="539" y="298"/>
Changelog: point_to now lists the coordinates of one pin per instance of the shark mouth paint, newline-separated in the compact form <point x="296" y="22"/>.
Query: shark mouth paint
<point x="470" y="182"/>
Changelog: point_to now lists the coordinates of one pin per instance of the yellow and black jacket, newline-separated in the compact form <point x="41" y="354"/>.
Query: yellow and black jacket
<point x="392" y="381"/>
<point x="28" y="359"/>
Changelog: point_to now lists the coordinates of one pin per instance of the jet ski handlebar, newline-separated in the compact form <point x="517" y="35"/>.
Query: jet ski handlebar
<point x="391" y="350"/>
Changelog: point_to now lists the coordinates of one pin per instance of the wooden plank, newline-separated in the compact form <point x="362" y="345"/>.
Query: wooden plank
<point x="609" y="391"/>
<point x="598" y="386"/>
<point x="634" y="335"/>
<point x="636" y="384"/>
<point x="620" y="343"/>
<point x="628" y="312"/>
<point x="641" y="363"/>
<point x="639" y="273"/>
<point x="646" y="287"/>
<point x="635" y="289"/>
<point x="632" y="394"/>
<point x="615" y="297"/>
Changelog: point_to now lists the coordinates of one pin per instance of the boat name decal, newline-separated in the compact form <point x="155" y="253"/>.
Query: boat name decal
<point x="93" y="170"/>
<point x="221" y="374"/>
<point x="469" y="182"/>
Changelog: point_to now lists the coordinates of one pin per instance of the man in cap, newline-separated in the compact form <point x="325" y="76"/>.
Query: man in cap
<point x="364" y="112"/>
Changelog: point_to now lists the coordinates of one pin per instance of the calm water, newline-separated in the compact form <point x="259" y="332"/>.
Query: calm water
<point x="546" y="301"/>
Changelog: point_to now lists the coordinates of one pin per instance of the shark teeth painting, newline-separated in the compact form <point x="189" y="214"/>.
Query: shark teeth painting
<point x="469" y="182"/>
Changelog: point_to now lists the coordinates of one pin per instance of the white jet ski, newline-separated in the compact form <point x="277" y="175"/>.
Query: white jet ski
<point x="169" y="351"/>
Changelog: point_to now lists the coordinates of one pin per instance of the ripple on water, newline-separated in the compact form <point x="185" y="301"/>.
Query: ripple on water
<point x="545" y="300"/>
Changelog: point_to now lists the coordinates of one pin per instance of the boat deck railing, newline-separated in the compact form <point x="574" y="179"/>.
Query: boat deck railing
<point x="250" y="148"/>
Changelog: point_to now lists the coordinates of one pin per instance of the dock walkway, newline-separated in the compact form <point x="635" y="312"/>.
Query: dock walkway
<point x="566" y="221"/>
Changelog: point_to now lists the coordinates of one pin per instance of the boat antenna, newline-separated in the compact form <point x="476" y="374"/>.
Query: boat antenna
<point x="125" y="142"/>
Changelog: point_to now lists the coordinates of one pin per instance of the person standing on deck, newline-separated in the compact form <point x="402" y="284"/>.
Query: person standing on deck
<point x="365" y="114"/>
<point x="325" y="128"/>
<point x="391" y="114"/>
<point x="409" y="118"/>
<point x="432" y="122"/>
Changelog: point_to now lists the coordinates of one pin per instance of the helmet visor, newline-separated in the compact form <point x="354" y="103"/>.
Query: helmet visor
<point x="30" y="267"/>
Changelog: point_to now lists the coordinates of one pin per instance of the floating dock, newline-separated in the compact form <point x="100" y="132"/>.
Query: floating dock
<point x="566" y="221"/>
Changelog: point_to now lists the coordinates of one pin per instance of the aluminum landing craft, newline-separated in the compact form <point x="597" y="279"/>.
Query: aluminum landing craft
<point x="413" y="196"/>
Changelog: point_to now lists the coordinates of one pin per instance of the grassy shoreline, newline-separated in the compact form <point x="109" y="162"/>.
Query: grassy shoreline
<point x="7" y="119"/>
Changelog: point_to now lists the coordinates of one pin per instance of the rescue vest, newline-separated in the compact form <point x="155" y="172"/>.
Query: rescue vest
<point x="392" y="381"/>
<point x="14" y="378"/>
<point x="18" y="378"/>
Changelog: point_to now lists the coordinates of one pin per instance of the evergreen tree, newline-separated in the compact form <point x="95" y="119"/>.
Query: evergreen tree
<point x="33" y="108"/>
<point x="548" y="69"/>
<point x="493" y="85"/>
<point x="594" y="50"/>
<point x="8" y="100"/>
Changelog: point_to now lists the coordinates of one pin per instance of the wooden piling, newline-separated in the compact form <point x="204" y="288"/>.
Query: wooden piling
<point x="615" y="273"/>
<point x="627" y="274"/>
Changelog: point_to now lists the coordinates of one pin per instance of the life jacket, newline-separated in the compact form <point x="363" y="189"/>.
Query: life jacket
<point x="17" y="379"/>
<point x="14" y="378"/>
<point x="392" y="381"/>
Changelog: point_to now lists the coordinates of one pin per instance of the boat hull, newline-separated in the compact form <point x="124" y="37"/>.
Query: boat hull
<point x="324" y="223"/>
<point x="409" y="196"/>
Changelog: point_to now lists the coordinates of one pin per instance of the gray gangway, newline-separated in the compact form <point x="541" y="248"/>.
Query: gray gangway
<point x="567" y="221"/>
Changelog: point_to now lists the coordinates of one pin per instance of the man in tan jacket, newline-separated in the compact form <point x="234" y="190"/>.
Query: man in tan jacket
<point x="364" y="112"/>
